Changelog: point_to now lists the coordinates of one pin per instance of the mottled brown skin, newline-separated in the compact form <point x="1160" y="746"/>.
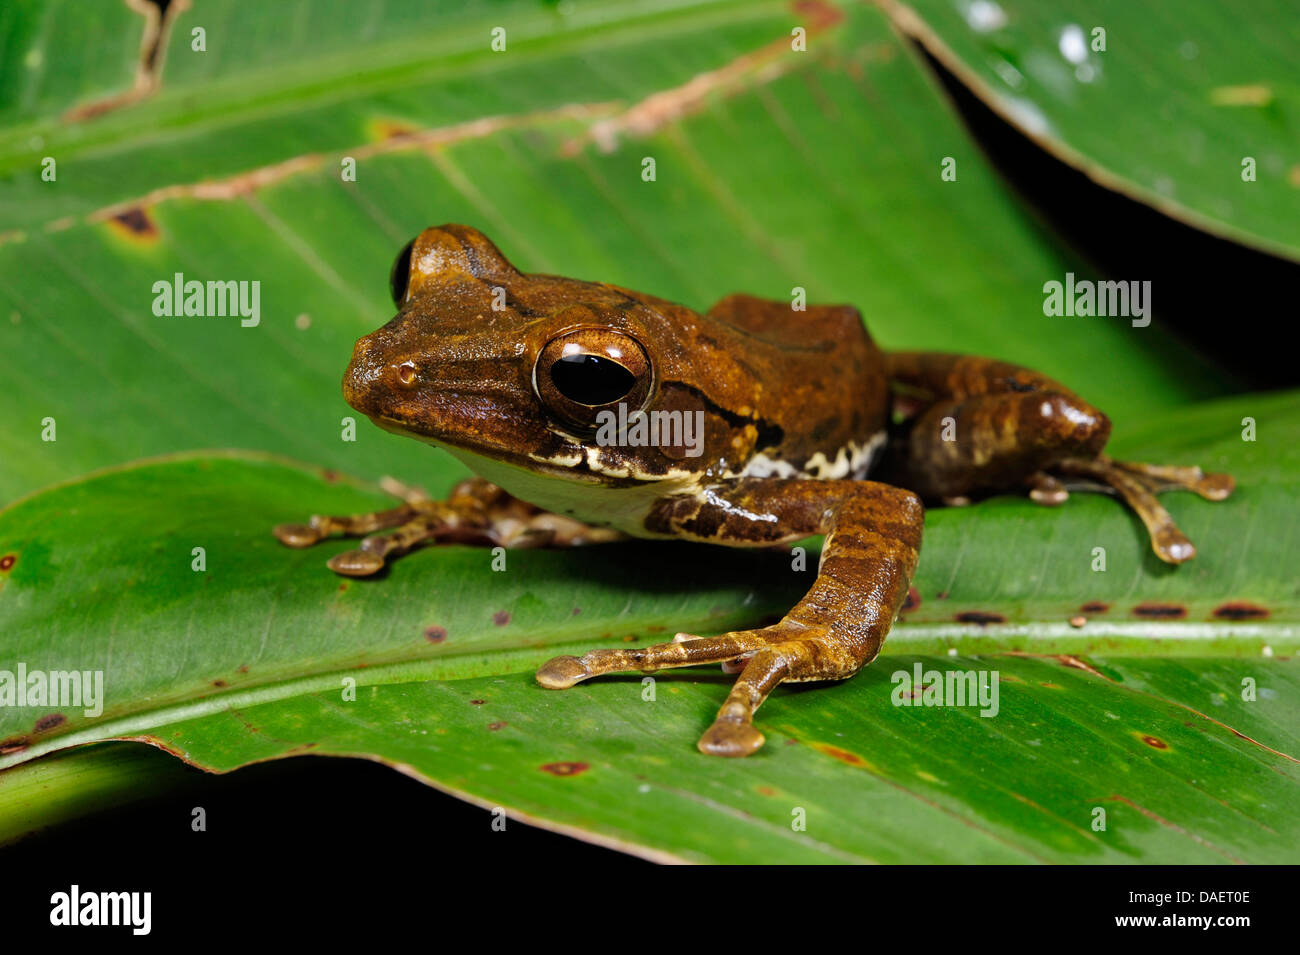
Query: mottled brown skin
<point x="509" y="372"/>
<point x="1011" y="427"/>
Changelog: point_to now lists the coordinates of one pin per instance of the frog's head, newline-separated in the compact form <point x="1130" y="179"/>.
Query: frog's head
<point x="531" y="371"/>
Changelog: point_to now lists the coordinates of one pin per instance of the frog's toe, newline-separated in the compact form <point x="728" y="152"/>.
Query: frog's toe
<point x="297" y="535"/>
<point x="562" y="673"/>
<point x="356" y="563"/>
<point x="1172" y="546"/>
<point x="1215" y="487"/>
<point x="1047" y="490"/>
<point x="731" y="738"/>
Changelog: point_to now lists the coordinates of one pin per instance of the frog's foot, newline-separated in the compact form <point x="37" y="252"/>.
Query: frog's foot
<point x="763" y="657"/>
<point x="477" y="511"/>
<point x="685" y="650"/>
<point x="321" y="526"/>
<point x="1138" y="484"/>
<point x="418" y="520"/>
<point x="378" y="549"/>
<point x="733" y="732"/>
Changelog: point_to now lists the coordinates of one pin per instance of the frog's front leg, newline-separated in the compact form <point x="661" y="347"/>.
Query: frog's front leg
<point x="476" y="510"/>
<point x="980" y="426"/>
<point x="873" y="537"/>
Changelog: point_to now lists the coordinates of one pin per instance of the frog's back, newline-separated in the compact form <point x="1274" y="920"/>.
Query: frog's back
<point x="824" y="386"/>
<point x="819" y="328"/>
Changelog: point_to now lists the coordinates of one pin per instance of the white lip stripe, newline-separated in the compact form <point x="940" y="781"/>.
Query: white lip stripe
<point x="853" y="460"/>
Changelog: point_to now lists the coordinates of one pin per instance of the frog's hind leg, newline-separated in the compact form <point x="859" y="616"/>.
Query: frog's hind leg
<point x="981" y="427"/>
<point x="476" y="511"/>
<point x="873" y="537"/>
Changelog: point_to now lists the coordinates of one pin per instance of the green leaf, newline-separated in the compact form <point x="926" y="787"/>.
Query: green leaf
<point x="854" y="122"/>
<point x="58" y="55"/>
<point x="1169" y="111"/>
<point x="245" y="660"/>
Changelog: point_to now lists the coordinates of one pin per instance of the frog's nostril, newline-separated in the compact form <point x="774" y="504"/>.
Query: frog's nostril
<point x="406" y="372"/>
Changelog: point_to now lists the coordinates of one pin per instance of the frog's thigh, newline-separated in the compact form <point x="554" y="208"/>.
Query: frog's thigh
<point x="993" y="426"/>
<point x="996" y="441"/>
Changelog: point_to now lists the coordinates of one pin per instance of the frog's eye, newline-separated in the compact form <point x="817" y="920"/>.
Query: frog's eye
<point x="588" y="370"/>
<point x="400" y="276"/>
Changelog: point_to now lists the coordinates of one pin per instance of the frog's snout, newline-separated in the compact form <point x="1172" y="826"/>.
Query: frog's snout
<point x="362" y="382"/>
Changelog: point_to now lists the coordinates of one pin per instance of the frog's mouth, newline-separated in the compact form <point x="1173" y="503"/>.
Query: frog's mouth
<point x="567" y="463"/>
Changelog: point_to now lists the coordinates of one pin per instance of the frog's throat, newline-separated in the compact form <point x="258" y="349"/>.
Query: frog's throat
<point x="623" y="506"/>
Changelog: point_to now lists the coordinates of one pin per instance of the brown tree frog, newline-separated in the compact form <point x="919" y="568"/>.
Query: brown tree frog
<point x="805" y="427"/>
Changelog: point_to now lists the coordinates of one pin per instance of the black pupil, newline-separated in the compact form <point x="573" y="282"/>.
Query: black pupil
<point x="591" y="380"/>
<point x="401" y="273"/>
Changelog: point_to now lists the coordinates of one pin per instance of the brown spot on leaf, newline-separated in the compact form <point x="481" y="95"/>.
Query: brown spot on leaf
<point x="49" y="721"/>
<point x="219" y="684"/>
<point x="135" y="223"/>
<point x="7" y="562"/>
<point x="941" y="595"/>
<point x="477" y="702"/>
<point x="501" y="618"/>
<point x="499" y="724"/>
<point x="819" y="13"/>
<point x="565" y="769"/>
<point x="843" y="755"/>
<point x="1155" y="742"/>
<point x="913" y="599"/>
<point x="1094" y="606"/>
<point x="1078" y="621"/>
<point x="392" y="129"/>
<point x="981" y="617"/>
<point x="1229" y="611"/>
<point x="435" y="634"/>
<point x="243" y="668"/>
<point x="766" y="791"/>
<point x="14" y="744"/>
<point x="1160" y="611"/>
